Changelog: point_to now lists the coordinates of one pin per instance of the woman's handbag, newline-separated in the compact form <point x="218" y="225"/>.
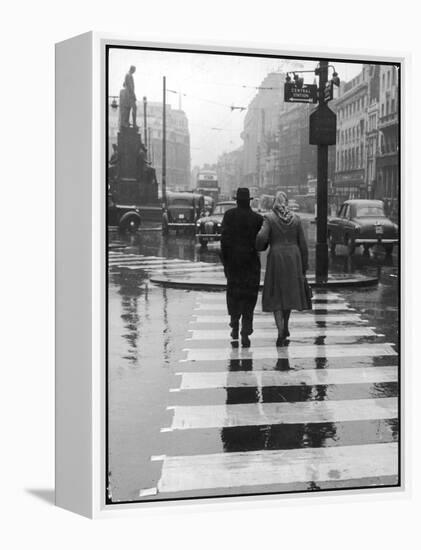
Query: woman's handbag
<point x="309" y="293"/>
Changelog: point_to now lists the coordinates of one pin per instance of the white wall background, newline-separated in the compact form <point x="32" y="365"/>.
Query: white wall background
<point x="28" y="33"/>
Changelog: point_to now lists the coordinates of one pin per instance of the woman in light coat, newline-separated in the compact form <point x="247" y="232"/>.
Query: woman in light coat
<point x="287" y="262"/>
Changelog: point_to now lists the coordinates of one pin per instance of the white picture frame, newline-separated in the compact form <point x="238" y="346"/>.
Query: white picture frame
<point x="81" y="267"/>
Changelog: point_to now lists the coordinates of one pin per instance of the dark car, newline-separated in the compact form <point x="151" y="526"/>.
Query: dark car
<point x="125" y="217"/>
<point x="362" y="222"/>
<point x="181" y="211"/>
<point x="208" y="228"/>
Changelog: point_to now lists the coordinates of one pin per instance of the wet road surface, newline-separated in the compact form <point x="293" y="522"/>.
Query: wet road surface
<point x="191" y="416"/>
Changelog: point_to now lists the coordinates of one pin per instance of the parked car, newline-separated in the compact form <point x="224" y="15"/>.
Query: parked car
<point x="181" y="211"/>
<point x="362" y="222"/>
<point x="208" y="228"/>
<point x="125" y="217"/>
<point x="266" y="203"/>
<point x="293" y="205"/>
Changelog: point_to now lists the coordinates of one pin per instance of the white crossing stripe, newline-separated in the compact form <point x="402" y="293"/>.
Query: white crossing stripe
<point x="239" y="469"/>
<point x="191" y="269"/>
<point x="305" y="412"/>
<point x="149" y="262"/>
<point x="316" y="306"/>
<point x="124" y="255"/>
<point x="289" y="352"/>
<point x="212" y="297"/>
<point x="152" y="265"/>
<point x="316" y="332"/>
<point x="306" y="377"/>
<point x="296" y="319"/>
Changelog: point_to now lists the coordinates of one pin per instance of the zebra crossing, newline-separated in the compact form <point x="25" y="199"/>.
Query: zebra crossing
<point x="157" y="265"/>
<point x="321" y="412"/>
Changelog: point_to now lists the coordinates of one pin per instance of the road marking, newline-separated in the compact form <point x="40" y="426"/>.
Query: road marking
<point x="296" y="319"/>
<point x="150" y="262"/>
<point x="148" y="492"/>
<point x="343" y="332"/>
<point x="303" y="377"/>
<point x="153" y="267"/>
<point x="316" y="306"/>
<point x="256" y="468"/>
<point x="190" y="269"/>
<point x="303" y="412"/>
<point x="289" y="352"/>
<point x="212" y="297"/>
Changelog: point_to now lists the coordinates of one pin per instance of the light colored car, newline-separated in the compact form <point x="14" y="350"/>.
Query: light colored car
<point x="293" y="205"/>
<point x="362" y="222"/>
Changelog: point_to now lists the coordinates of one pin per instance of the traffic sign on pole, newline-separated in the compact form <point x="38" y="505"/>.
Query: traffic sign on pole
<point x="328" y="91"/>
<point x="307" y="93"/>
<point x="323" y="126"/>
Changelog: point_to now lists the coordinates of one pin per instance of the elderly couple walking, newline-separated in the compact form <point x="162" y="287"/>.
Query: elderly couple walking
<point x="244" y="234"/>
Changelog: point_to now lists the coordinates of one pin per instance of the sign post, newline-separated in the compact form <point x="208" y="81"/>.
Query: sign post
<point x="322" y="134"/>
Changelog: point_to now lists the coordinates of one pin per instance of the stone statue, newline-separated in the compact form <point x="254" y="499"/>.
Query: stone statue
<point x="128" y="100"/>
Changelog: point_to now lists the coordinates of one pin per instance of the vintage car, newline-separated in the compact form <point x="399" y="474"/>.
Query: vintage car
<point x="293" y="205"/>
<point x="181" y="211"/>
<point x="208" y="228"/>
<point x="266" y="203"/>
<point x="125" y="217"/>
<point x="362" y="222"/>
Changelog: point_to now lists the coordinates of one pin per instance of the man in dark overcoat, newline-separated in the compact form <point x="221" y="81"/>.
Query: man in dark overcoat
<point x="241" y="261"/>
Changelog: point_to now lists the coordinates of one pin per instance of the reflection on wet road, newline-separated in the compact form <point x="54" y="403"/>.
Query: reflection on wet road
<point x="191" y="416"/>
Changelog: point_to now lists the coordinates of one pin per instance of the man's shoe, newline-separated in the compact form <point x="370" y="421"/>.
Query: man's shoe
<point x="234" y="334"/>
<point x="280" y="342"/>
<point x="245" y="341"/>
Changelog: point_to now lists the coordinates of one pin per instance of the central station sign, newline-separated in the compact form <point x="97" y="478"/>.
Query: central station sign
<point x="307" y="93"/>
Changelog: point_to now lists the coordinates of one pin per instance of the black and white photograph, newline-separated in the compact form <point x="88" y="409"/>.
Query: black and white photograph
<point x="253" y="274"/>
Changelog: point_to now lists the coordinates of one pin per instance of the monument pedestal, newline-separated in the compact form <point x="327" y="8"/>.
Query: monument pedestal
<point x="135" y="184"/>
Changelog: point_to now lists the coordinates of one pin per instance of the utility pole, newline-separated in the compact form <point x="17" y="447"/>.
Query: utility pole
<point x="145" y="122"/>
<point x="322" y="133"/>
<point x="150" y="150"/>
<point x="164" y="143"/>
<point x="322" y="253"/>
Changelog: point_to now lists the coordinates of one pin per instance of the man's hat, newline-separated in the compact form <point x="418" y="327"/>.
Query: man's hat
<point x="243" y="194"/>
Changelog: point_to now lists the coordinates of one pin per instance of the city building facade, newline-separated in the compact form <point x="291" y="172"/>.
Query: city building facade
<point x="387" y="161"/>
<point x="230" y="172"/>
<point x="351" y="160"/>
<point x="260" y="133"/>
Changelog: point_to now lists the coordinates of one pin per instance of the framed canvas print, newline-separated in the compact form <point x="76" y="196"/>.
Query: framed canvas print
<point x="229" y="251"/>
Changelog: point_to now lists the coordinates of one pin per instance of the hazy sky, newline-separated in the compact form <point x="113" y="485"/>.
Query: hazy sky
<point x="209" y="84"/>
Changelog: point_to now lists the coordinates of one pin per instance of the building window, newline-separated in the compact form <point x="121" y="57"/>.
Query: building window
<point x="383" y="108"/>
<point x="392" y="106"/>
<point x="388" y="79"/>
<point x="383" y="80"/>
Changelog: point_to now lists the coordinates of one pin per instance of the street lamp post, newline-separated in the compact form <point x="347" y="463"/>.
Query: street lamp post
<point x="322" y="133"/>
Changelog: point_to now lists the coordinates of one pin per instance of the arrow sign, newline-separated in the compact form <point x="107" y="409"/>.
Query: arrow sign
<point x="307" y="93"/>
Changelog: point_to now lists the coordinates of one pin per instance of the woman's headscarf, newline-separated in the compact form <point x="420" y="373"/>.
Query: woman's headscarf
<point x="281" y="209"/>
